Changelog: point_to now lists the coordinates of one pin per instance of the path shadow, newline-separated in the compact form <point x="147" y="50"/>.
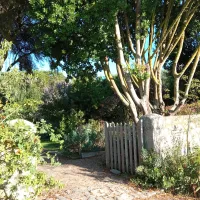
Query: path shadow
<point x="94" y="167"/>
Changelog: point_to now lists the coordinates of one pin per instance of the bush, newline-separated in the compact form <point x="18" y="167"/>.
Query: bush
<point x="190" y="109"/>
<point x="94" y="136"/>
<point x="23" y="92"/>
<point x="20" y="154"/>
<point x="79" y="136"/>
<point x="178" y="174"/>
<point x="55" y="102"/>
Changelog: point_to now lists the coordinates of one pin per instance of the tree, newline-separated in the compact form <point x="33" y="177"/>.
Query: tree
<point x="15" y="27"/>
<point x="139" y="36"/>
<point x="96" y="99"/>
<point x="10" y="15"/>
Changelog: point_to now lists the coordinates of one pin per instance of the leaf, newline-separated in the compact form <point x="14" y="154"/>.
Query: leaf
<point x="197" y="189"/>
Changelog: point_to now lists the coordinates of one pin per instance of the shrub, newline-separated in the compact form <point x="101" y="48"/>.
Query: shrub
<point x="79" y="136"/>
<point x="94" y="136"/>
<point x="175" y="173"/>
<point x="25" y="91"/>
<point x="55" y="102"/>
<point x="20" y="154"/>
<point x="189" y="109"/>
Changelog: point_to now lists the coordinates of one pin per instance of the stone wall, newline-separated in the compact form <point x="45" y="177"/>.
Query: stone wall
<point x="166" y="133"/>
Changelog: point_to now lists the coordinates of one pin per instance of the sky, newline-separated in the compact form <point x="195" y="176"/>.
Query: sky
<point x="43" y="65"/>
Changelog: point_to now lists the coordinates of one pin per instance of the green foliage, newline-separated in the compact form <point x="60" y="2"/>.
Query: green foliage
<point x="79" y="136"/>
<point x="20" y="154"/>
<point x="70" y="26"/>
<point x="167" y="85"/>
<point x="80" y="34"/>
<point x="4" y="48"/>
<point x="88" y="94"/>
<point x="50" y="146"/>
<point x="46" y="95"/>
<point x="56" y="102"/>
<point x="70" y="130"/>
<point x="190" y="109"/>
<point x="23" y="92"/>
<point x="175" y="173"/>
<point x="140" y="71"/>
<point x="97" y="100"/>
<point x="95" y="137"/>
<point x="194" y="89"/>
<point x="46" y="132"/>
<point x="91" y="95"/>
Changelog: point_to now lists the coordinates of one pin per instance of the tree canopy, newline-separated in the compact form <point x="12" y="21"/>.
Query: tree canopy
<point x="15" y="27"/>
<point x="139" y="36"/>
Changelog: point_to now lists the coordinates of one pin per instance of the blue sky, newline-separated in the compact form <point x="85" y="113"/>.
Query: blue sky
<point x="44" y="65"/>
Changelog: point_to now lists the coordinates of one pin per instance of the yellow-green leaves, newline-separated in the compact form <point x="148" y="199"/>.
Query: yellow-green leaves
<point x="140" y="72"/>
<point x="4" y="48"/>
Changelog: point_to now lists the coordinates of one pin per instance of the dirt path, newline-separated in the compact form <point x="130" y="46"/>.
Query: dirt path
<point x="87" y="179"/>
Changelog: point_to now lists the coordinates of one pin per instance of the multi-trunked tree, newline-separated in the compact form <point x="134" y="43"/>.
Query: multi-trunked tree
<point x="139" y="36"/>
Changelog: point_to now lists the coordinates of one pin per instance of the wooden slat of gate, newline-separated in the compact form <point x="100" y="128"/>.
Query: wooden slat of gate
<point x="122" y="148"/>
<point x="135" y="148"/>
<point x="126" y="147"/>
<point x="111" y="146"/>
<point x="114" y="145"/>
<point x="118" y="147"/>
<point x="106" y="131"/>
<point x="130" y="148"/>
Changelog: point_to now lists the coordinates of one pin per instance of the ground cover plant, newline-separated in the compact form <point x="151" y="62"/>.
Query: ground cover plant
<point x="173" y="173"/>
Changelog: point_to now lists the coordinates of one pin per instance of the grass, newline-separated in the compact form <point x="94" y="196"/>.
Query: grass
<point x="50" y="146"/>
<point x="53" y="146"/>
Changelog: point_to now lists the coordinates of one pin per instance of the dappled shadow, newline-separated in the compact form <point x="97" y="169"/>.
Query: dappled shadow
<point x="93" y="167"/>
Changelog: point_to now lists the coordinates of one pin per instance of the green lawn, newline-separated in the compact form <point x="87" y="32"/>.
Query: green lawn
<point x="50" y="146"/>
<point x="53" y="146"/>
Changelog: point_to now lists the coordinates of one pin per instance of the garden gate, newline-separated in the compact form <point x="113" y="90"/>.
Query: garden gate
<point x="123" y="147"/>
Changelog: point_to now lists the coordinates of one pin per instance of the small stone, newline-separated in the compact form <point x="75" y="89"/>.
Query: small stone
<point x="61" y="198"/>
<point x="91" y="198"/>
<point x="99" y="198"/>
<point x="89" y="189"/>
<point x="107" y="179"/>
<point x="112" y="195"/>
<point x="96" y="192"/>
<point x="124" y="197"/>
<point x="106" y="190"/>
<point x="114" y="171"/>
<point x="68" y="191"/>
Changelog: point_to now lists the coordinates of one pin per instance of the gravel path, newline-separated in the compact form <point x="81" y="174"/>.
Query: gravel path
<point x="87" y="179"/>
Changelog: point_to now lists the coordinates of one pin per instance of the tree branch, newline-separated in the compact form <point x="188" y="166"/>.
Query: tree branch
<point x="137" y="31"/>
<point x="112" y="82"/>
<point x="129" y="35"/>
<point x="123" y="64"/>
<point x="176" y="107"/>
<point x="171" y="27"/>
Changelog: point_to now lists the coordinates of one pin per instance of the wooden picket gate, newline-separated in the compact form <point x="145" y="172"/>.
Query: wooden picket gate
<point x="121" y="147"/>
